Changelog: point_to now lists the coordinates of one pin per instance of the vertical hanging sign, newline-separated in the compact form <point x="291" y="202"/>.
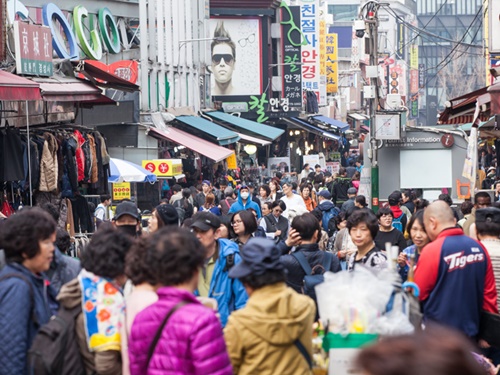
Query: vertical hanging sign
<point x="414" y="83"/>
<point x="332" y="65"/>
<point x="293" y="39"/>
<point x="322" y="62"/>
<point x="309" y="24"/>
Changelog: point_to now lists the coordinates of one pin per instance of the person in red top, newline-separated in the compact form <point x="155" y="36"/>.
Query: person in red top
<point x="454" y="274"/>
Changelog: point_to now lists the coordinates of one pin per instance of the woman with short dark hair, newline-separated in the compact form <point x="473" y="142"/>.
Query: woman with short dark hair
<point x="98" y="287"/>
<point x="25" y="301"/>
<point x="175" y="257"/>
<point x="264" y="194"/>
<point x="244" y="224"/>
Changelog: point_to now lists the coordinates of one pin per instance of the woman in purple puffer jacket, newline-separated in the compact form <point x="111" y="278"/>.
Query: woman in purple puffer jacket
<point x="191" y="341"/>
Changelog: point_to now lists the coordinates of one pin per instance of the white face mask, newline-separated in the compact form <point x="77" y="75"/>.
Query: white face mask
<point x="244" y="195"/>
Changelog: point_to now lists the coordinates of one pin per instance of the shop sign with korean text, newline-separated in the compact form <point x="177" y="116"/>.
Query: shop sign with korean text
<point x="33" y="46"/>
<point x="309" y="24"/>
<point x="163" y="167"/>
<point x="332" y="65"/>
<point x="121" y="191"/>
<point x="293" y="39"/>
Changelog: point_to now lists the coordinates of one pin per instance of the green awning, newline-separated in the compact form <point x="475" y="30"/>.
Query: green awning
<point x="259" y="130"/>
<point x="222" y="135"/>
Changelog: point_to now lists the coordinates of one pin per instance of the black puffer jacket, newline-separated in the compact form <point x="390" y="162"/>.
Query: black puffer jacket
<point x="339" y="190"/>
<point x="314" y="256"/>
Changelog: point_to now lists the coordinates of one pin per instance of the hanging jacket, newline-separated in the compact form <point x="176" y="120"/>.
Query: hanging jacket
<point x="80" y="156"/>
<point x="93" y="156"/>
<point x="70" y="177"/>
<point x="260" y="337"/>
<point x="191" y="342"/>
<point x="11" y="155"/>
<point x="49" y="164"/>
<point x="17" y="326"/>
<point x="88" y="159"/>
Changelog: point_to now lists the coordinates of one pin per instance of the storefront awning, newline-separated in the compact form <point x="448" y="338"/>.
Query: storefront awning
<point x="14" y="88"/>
<point x="357" y="116"/>
<point x="102" y="78"/>
<point x="201" y="146"/>
<point x="461" y="110"/>
<point x="253" y="140"/>
<point x="342" y="126"/>
<point x="70" y="90"/>
<point x="310" y="128"/>
<point x="222" y="135"/>
<point x="261" y="130"/>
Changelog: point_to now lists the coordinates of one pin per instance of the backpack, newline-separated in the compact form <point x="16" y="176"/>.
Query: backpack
<point x="180" y="211"/>
<point x="398" y="224"/>
<point x="325" y="220"/>
<point x="55" y="349"/>
<point x="313" y="277"/>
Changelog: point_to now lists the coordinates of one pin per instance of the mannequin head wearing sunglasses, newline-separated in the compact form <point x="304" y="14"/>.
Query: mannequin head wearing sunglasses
<point x="223" y="61"/>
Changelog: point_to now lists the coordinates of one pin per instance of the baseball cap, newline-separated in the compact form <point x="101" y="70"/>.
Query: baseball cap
<point x="243" y="187"/>
<point x="126" y="208"/>
<point x="205" y="221"/>
<point x="489" y="214"/>
<point x="206" y="182"/>
<point x="352" y="191"/>
<point x="325" y="194"/>
<point x="394" y="198"/>
<point x="257" y="256"/>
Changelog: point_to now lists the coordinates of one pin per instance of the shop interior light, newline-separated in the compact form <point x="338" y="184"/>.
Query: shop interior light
<point x="250" y="149"/>
<point x="297" y="132"/>
<point x="298" y="151"/>
<point x="291" y="133"/>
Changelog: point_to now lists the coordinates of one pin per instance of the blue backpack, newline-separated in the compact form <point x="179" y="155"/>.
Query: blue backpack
<point x="397" y="223"/>
<point x="325" y="220"/>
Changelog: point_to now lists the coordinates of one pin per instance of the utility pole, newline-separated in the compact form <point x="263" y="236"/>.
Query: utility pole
<point x="372" y="22"/>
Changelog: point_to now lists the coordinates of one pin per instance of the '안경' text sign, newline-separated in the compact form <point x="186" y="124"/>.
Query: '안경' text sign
<point x="33" y="46"/>
<point x="311" y="63"/>
<point x="292" y="58"/>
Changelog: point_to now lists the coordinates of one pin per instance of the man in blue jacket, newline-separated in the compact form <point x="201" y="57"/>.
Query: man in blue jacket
<point x="244" y="202"/>
<point x="222" y="254"/>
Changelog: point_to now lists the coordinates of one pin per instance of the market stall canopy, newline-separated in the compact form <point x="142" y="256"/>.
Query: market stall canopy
<point x="342" y="126"/>
<point x="65" y="89"/>
<point x="461" y="110"/>
<point x="14" y="88"/>
<point x="294" y="121"/>
<point x="253" y="140"/>
<point x="222" y="135"/>
<point x="260" y="130"/>
<point x="100" y="77"/>
<point x="125" y="171"/>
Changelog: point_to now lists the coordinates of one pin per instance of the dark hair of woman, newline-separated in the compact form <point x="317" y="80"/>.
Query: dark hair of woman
<point x="105" y="254"/>
<point x="420" y="204"/>
<point x="267" y="189"/>
<point x="63" y="240"/>
<point x="417" y="216"/>
<point x="435" y="351"/>
<point x="384" y="211"/>
<point x="365" y="216"/>
<point x="22" y="233"/>
<point x="340" y="218"/>
<point x="268" y="278"/>
<point x="306" y="224"/>
<point x="361" y="199"/>
<point x="136" y="266"/>
<point x="173" y="255"/>
<point x="269" y="205"/>
<point x="248" y="220"/>
<point x="279" y="204"/>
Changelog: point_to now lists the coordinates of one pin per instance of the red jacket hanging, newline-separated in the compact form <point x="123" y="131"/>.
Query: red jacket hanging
<point x="80" y="157"/>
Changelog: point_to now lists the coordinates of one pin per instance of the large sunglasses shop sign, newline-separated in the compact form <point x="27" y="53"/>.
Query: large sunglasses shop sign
<point x="105" y="30"/>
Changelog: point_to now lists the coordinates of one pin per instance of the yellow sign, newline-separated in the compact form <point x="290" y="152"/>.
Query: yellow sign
<point x="414" y="56"/>
<point x="332" y="65"/>
<point x="322" y="47"/>
<point x="163" y="167"/>
<point x="121" y="191"/>
<point x="231" y="162"/>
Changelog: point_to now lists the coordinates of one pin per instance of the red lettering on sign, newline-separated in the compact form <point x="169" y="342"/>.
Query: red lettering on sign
<point x="150" y="167"/>
<point x="163" y="167"/>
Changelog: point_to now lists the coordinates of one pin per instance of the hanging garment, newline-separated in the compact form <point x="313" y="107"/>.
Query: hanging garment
<point x="98" y="185"/>
<point x="49" y="164"/>
<point x="80" y="156"/>
<point x="94" y="172"/>
<point x="82" y="216"/>
<point x="11" y="155"/>
<point x="88" y="159"/>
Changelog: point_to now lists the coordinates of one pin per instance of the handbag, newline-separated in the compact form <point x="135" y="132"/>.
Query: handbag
<point x="152" y="347"/>
<point x="489" y="328"/>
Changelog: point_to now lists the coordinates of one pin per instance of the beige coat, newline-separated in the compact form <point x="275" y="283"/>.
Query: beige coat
<point x="260" y="337"/>
<point x="101" y="363"/>
<point x="48" y="164"/>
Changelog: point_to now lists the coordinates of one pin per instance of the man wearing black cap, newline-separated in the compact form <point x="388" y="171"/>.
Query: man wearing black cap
<point x="222" y="255"/>
<point x="127" y="218"/>
<point x="272" y="334"/>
